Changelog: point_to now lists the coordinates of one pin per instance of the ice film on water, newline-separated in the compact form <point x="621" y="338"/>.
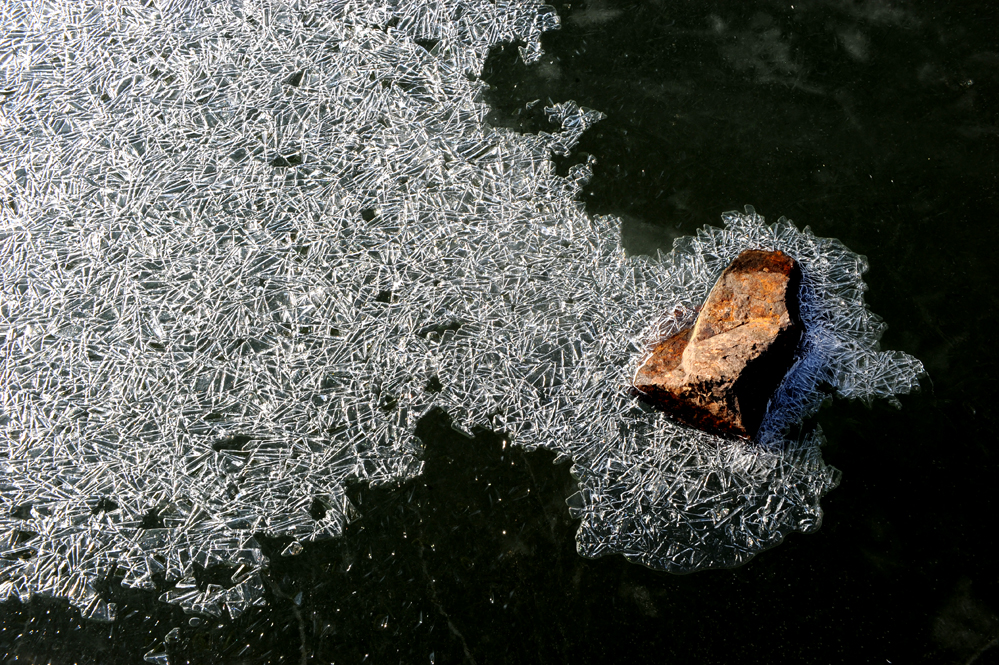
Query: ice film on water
<point x="245" y="246"/>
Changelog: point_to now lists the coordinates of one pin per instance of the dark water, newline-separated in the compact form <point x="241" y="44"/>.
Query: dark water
<point x="874" y="122"/>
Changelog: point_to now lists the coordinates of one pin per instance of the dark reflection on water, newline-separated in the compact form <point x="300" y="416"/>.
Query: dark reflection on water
<point x="874" y="122"/>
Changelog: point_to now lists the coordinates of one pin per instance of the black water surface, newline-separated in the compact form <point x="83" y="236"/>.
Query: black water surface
<point x="873" y="121"/>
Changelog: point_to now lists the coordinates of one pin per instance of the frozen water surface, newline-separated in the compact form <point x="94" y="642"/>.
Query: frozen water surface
<point x="245" y="246"/>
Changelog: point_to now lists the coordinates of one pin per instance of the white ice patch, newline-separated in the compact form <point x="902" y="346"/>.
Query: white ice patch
<point x="239" y="240"/>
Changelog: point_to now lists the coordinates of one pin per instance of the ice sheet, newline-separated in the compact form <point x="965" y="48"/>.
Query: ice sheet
<point x="245" y="246"/>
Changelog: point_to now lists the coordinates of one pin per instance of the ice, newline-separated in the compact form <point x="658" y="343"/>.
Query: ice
<point x="245" y="246"/>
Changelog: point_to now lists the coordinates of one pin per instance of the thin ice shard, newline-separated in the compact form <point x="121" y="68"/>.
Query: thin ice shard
<point x="245" y="247"/>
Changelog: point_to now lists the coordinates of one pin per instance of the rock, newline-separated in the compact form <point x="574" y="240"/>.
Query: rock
<point x="719" y="374"/>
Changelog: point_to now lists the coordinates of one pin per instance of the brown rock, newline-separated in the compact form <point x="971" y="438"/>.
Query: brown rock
<point x="719" y="374"/>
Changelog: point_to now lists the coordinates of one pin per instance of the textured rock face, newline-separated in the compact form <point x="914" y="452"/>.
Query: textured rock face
<point x="719" y="374"/>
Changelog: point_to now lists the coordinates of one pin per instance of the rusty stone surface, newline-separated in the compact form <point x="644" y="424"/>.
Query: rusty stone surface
<point x="719" y="374"/>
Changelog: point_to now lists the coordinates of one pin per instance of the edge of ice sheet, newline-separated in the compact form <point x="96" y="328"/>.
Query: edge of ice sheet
<point x="238" y="241"/>
<point x="676" y="499"/>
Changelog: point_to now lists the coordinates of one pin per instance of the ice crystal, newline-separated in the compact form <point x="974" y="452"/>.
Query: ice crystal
<point x="245" y="246"/>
